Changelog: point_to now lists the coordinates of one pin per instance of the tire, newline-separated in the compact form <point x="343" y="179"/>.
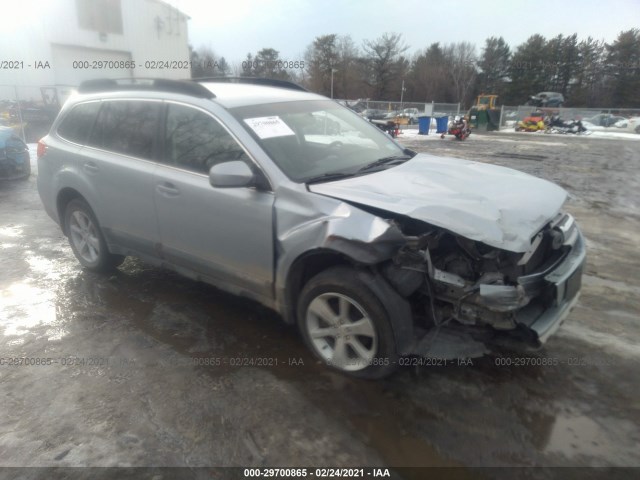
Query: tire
<point x="27" y="173"/>
<point x="86" y="239"/>
<point x="339" y="303"/>
<point x="637" y="130"/>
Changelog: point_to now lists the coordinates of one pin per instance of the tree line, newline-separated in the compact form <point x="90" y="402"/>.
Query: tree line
<point x="588" y="72"/>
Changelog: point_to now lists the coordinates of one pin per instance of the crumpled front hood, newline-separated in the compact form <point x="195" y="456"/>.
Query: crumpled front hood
<point x="495" y="205"/>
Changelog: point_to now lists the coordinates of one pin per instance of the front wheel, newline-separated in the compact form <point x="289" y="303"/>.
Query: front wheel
<point x="345" y="325"/>
<point x="86" y="239"/>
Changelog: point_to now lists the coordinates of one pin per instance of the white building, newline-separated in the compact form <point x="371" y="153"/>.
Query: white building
<point x="56" y="44"/>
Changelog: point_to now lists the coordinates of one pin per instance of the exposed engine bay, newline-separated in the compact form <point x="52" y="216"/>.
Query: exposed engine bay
<point x="450" y="278"/>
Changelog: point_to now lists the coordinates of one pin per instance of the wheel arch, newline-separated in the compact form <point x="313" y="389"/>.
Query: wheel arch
<point x="305" y="267"/>
<point x="62" y="200"/>
<point x="310" y="264"/>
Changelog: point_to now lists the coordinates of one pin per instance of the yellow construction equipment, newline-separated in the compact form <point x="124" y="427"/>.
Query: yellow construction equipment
<point x="486" y="102"/>
<point x="485" y="115"/>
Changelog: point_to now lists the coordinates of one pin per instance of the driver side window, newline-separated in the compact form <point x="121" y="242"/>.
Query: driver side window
<point x="196" y="142"/>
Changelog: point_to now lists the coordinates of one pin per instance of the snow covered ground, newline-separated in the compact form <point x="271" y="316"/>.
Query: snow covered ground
<point x="591" y="134"/>
<point x="412" y="133"/>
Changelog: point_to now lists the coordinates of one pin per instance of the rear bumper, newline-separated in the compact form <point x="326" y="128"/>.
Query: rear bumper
<point x="46" y="190"/>
<point x="12" y="169"/>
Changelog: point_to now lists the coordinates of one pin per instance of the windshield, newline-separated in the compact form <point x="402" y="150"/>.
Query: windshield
<point x="316" y="138"/>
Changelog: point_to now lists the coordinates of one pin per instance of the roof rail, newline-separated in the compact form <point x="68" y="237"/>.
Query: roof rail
<point x="267" y="82"/>
<point x="184" y="87"/>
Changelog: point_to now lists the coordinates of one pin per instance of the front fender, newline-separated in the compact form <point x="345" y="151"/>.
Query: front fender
<point x="306" y="222"/>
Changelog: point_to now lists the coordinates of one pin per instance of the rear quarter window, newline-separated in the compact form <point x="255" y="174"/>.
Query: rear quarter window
<point x="128" y="127"/>
<point x="77" y="124"/>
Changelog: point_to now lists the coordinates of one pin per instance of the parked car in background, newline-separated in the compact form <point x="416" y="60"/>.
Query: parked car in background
<point x="546" y="99"/>
<point x="605" y="120"/>
<point x="14" y="156"/>
<point x="374" y="114"/>
<point x="374" y="251"/>
<point x="406" y="116"/>
<point x="629" y="124"/>
<point x="412" y="114"/>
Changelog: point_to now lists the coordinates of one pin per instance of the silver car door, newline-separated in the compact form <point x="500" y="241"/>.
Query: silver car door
<point x="119" y="161"/>
<point x="224" y="233"/>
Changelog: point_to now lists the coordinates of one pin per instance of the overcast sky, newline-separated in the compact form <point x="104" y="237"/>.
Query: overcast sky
<point x="232" y="28"/>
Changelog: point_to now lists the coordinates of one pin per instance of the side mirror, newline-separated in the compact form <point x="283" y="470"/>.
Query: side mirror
<point x="409" y="152"/>
<point x="233" y="174"/>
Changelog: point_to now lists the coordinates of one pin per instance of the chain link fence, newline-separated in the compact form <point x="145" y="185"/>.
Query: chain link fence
<point x="597" y="119"/>
<point x="30" y="110"/>
<point x="407" y="111"/>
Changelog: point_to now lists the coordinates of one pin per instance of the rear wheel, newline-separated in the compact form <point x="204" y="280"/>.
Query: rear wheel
<point x="86" y="239"/>
<point x="345" y="325"/>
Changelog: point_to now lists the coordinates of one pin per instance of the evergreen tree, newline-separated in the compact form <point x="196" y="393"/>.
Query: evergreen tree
<point x="494" y="66"/>
<point x="623" y="69"/>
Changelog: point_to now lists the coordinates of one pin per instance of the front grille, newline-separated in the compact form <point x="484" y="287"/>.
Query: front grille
<point x="573" y="284"/>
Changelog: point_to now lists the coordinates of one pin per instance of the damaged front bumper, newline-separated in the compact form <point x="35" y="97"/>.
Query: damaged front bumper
<point x="520" y="315"/>
<point x="542" y="300"/>
<point x="559" y="289"/>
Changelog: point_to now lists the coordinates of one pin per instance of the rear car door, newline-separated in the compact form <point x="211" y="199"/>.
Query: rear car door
<point x="224" y="233"/>
<point x="119" y="161"/>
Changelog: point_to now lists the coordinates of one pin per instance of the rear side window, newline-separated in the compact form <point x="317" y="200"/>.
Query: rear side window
<point x="127" y="127"/>
<point x="76" y="126"/>
<point x="196" y="142"/>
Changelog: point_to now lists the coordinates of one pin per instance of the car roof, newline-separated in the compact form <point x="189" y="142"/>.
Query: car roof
<point x="228" y="92"/>
<point x="231" y="95"/>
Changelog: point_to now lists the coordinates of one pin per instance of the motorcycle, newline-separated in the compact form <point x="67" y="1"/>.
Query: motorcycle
<point x="459" y="130"/>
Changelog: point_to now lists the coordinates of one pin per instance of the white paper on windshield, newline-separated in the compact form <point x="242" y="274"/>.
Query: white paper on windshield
<point x="269" y="127"/>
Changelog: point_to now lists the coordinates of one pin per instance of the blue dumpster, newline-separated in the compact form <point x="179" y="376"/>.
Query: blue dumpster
<point x="424" y="122"/>
<point x="442" y="124"/>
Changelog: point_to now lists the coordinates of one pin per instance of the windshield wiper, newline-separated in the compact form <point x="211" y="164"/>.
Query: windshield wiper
<point x="384" y="161"/>
<point x="326" y="177"/>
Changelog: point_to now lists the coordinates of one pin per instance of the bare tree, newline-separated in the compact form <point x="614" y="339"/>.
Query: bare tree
<point x="349" y="75"/>
<point x="386" y="64"/>
<point x="461" y="60"/>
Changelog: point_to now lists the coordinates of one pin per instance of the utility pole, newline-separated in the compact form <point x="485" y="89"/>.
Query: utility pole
<point x="333" y="70"/>
<point x="402" y="96"/>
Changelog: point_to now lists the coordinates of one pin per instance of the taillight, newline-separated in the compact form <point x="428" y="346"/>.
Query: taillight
<point x="42" y="148"/>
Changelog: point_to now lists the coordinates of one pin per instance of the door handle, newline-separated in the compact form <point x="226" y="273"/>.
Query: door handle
<point x="91" y="168"/>
<point x="167" y="189"/>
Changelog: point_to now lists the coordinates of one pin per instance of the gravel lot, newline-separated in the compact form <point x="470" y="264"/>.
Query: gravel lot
<point x="125" y="390"/>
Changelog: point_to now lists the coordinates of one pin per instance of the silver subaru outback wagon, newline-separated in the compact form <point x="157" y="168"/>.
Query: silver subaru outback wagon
<point x="265" y="190"/>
